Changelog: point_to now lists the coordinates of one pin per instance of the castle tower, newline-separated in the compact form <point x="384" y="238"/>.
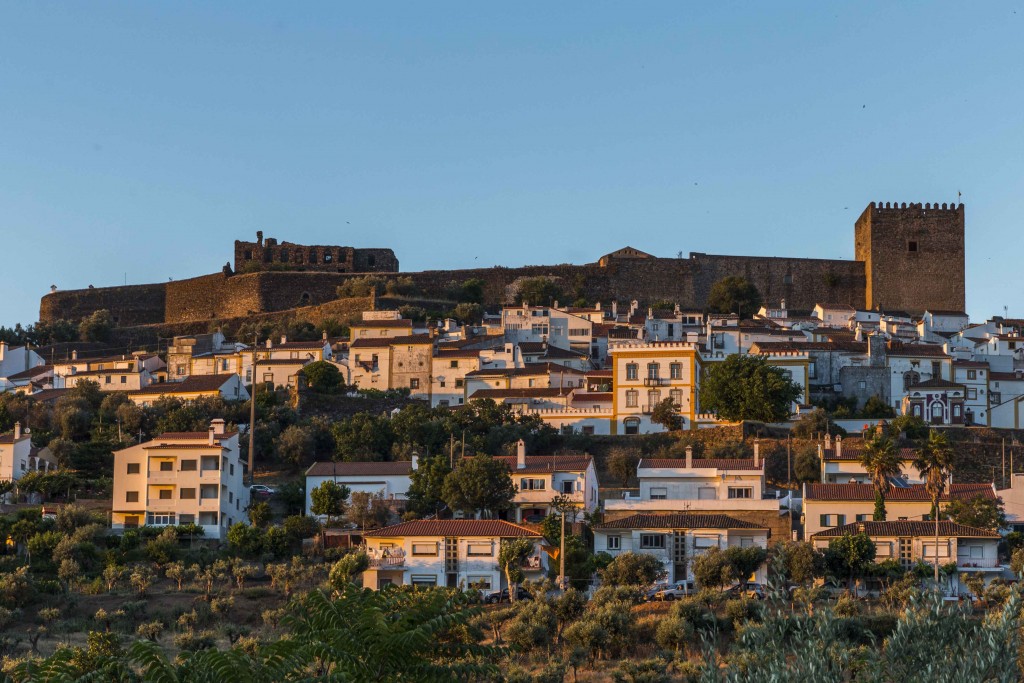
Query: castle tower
<point x="913" y="256"/>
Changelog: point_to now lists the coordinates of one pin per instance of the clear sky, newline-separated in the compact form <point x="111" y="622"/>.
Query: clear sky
<point x="138" y="140"/>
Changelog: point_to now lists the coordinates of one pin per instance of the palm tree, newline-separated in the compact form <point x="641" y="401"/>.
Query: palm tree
<point x="935" y="462"/>
<point x="881" y="461"/>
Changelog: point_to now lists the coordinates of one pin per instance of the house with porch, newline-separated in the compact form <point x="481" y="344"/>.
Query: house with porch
<point x="455" y="553"/>
<point x="540" y="478"/>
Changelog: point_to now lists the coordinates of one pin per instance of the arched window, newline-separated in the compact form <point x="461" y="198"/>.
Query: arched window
<point x="911" y="378"/>
<point x="632" y="425"/>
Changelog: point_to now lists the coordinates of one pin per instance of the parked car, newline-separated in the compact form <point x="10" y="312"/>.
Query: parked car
<point x="261" y="490"/>
<point x="672" y="591"/>
<point x="755" y="591"/>
<point x="503" y="595"/>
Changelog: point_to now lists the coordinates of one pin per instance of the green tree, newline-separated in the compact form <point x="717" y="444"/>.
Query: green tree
<point x="744" y="561"/>
<point x="799" y="561"/>
<point x="323" y="377"/>
<point x="426" y="486"/>
<point x="295" y="445"/>
<point x="978" y="512"/>
<point x="746" y="387"/>
<point x="876" y="409"/>
<point x="633" y="569"/>
<point x="328" y="500"/>
<point x="511" y="554"/>
<point x="666" y="414"/>
<point x="711" y="569"/>
<point x="538" y="291"/>
<point x="469" y="314"/>
<point x="622" y="462"/>
<point x="850" y="554"/>
<point x="479" y="484"/>
<point x="815" y="425"/>
<point x="96" y="327"/>
<point x="260" y="514"/>
<point x="363" y="437"/>
<point x="882" y="462"/>
<point x="368" y="510"/>
<point x="472" y="291"/>
<point x="734" y="294"/>
<point x="807" y="464"/>
<point x="346" y="569"/>
<point x="935" y="463"/>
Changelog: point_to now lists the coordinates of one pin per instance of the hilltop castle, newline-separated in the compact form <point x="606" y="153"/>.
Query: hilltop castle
<point x="908" y="257"/>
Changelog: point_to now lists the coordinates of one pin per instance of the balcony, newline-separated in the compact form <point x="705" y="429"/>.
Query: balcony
<point x="656" y="381"/>
<point x="209" y="503"/>
<point x="532" y="563"/>
<point x="545" y="496"/>
<point x="163" y="478"/>
<point x="393" y="558"/>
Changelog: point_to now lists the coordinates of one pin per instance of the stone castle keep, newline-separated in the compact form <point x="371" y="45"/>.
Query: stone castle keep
<point x="908" y="257"/>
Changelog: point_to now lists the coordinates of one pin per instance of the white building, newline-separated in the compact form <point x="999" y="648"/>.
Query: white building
<point x="15" y="453"/>
<point x="842" y="464"/>
<point x="228" y="387"/>
<point x="677" y="538"/>
<point x="181" y="478"/>
<point x="15" y="360"/>
<point x="115" y="373"/>
<point x="540" y="478"/>
<point x="457" y="553"/>
<point x="389" y="479"/>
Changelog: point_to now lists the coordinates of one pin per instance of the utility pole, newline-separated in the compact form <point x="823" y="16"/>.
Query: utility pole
<point x="789" y="459"/>
<point x="1004" y="461"/>
<point x="561" y="556"/>
<point x="252" y="413"/>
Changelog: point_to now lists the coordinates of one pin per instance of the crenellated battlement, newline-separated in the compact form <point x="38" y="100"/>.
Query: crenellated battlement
<point x="897" y="206"/>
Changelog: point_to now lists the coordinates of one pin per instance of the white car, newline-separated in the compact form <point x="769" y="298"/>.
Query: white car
<point x="261" y="490"/>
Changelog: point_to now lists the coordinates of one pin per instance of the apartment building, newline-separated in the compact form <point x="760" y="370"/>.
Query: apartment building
<point x="646" y="373"/>
<point x="181" y="478"/>
<point x="115" y="373"/>
<point x="457" y="553"/>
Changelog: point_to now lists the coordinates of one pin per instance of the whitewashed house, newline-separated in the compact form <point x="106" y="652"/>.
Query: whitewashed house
<point x="391" y="480"/>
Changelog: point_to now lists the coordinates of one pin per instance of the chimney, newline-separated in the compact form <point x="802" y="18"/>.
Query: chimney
<point x="554" y="304"/>
<point x="615" y="310"/>
<point x="74" y="354"/>
<point x="783" y="305"/>
<point x="757" y="452"/>
<point x="415" y="461"/>
<point x="270" y="344"/>
<point x="839" y="446"/>
<point x="324" y="337"/>
<point x="17" y="431"/>
<point x="521" y="454"/>
<point x="3" y="350"/>
<point x="689" y="457"/>
<point x="216" y="427"/>
<point x="284" y="339"/>
<point x="828" y="442"/>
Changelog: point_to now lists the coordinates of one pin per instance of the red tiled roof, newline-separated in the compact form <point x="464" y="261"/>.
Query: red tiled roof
<point x="48" y="395"/>
<point x="31" y="372"/>
<point x="191" y="384"/>
<point x="547" y="463"/>
<point x="359" y="469"/>
<point x="854" y="451"/>
<point x="379" y="342"/>
<point x="458" y="528"/>
<point x="1005" y="377"/>
<point x="915" y="350"/>
<point x="9" y="437"/>
<point x="908" y="528"/>
<point x="716" y="463"/>
<point x="914" y="492"/>
<point x="192" y="436"/>
<point x="313" y="345"/>
<point x="936" y="383"/>
<point x="532" y="392"/>
<point x="679" y="520"/>
<point x="382" y="323"/>
<point x="456" y="353"/>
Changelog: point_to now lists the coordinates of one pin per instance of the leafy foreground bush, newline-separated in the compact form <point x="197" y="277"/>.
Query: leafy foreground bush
<point x="352" y="635"/>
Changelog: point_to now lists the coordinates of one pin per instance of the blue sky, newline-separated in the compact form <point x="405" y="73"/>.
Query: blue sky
<point x="139" y="140"/>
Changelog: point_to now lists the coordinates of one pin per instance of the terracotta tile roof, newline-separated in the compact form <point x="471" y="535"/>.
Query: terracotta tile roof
<point x="457" y="528"/>
<point x="284" y="361"/>
<point x="899" y="349"/>
<point x="359" y="469"/>
<point x="679" y="520"/>
<point x="31" y="372"/>
<point x="9" y="437"/>
<point x="48" y="395"/>
<point x="191" y="384"/>
<point x="547" y="463"/>
<point x="936" y="383"/>
<point x="912" y="493"/>
<point x="838" y="307"/>
<point x="1005" y="377"/>
<point x="532" y="392"/>
<point x="379" y="342"/>
<point x="312" y="345"/>
<point x="844" y="346"/>
<point x="855" y="450"/>
<point x="599" y="373"/>
<point x="716" y="463"/>
<point x="531" y="369"/>
<point x="970" y="364"/>
<point x="382" y="323"/>
<point x="442" y="352"/>
<point x="191" y="436"/>
<point x="908" y="528"/>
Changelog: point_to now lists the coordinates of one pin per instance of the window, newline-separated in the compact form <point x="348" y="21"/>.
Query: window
<point x="531" y="485"/>
<point x="414" y="383"/>
<point x="454" y="364"/>
<point x="632" y="398"/>
<point x="131" y="521"/>
<point x="482" y="583"/>
<point x="614" y="542"/>
<point x="423" y="581"/>
<point x="862" y="384"/>
<point x="131" y="496"/>
<point x="910" y="379"/>
<point x="479" y="549"/>
<point x="675" y="370"/>
<point x="166" y="466"/>
<point x="972" y="393"/>
<point x="741" y="492"/>
<point x="746" y="543"/>
<point x="864" y="518"/>
<point x="161" y="519"/>
<point x="188" y="494"/>
<point x="706" y="493"/>
<point x="188" y="466"/>
<point x="832" y="520"/>
<point x="632" y="425"/>
<point x="459" y="383"/>
<point x="133" y="468"/>
<point x="659" y="493"/>
<point x="568" y="486"/>
<point x="972" y="374"/>
<point x="912" y="246"/>
<point x="936" y="369"/>
<point x="929" y="549"/>
<point x="653" y="369"/>
<point x="424" y="549"/>
<point x="124" y="379"/>
<point x="652" y="541"/>
<point x="677" y="397"/>
<point x="106" y="380"/>
<point x="165" y="494"/>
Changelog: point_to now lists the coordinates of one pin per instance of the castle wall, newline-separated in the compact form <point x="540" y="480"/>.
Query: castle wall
<point x="269" y="254"/>
<point x="129" y="305"/>
<point x="913" y="255"/>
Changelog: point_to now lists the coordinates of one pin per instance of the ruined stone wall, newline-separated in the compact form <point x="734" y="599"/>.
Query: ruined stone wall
<point x="913" y="256"/>
<point x="131" y="305"/>
<point x="268" y="253"/>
